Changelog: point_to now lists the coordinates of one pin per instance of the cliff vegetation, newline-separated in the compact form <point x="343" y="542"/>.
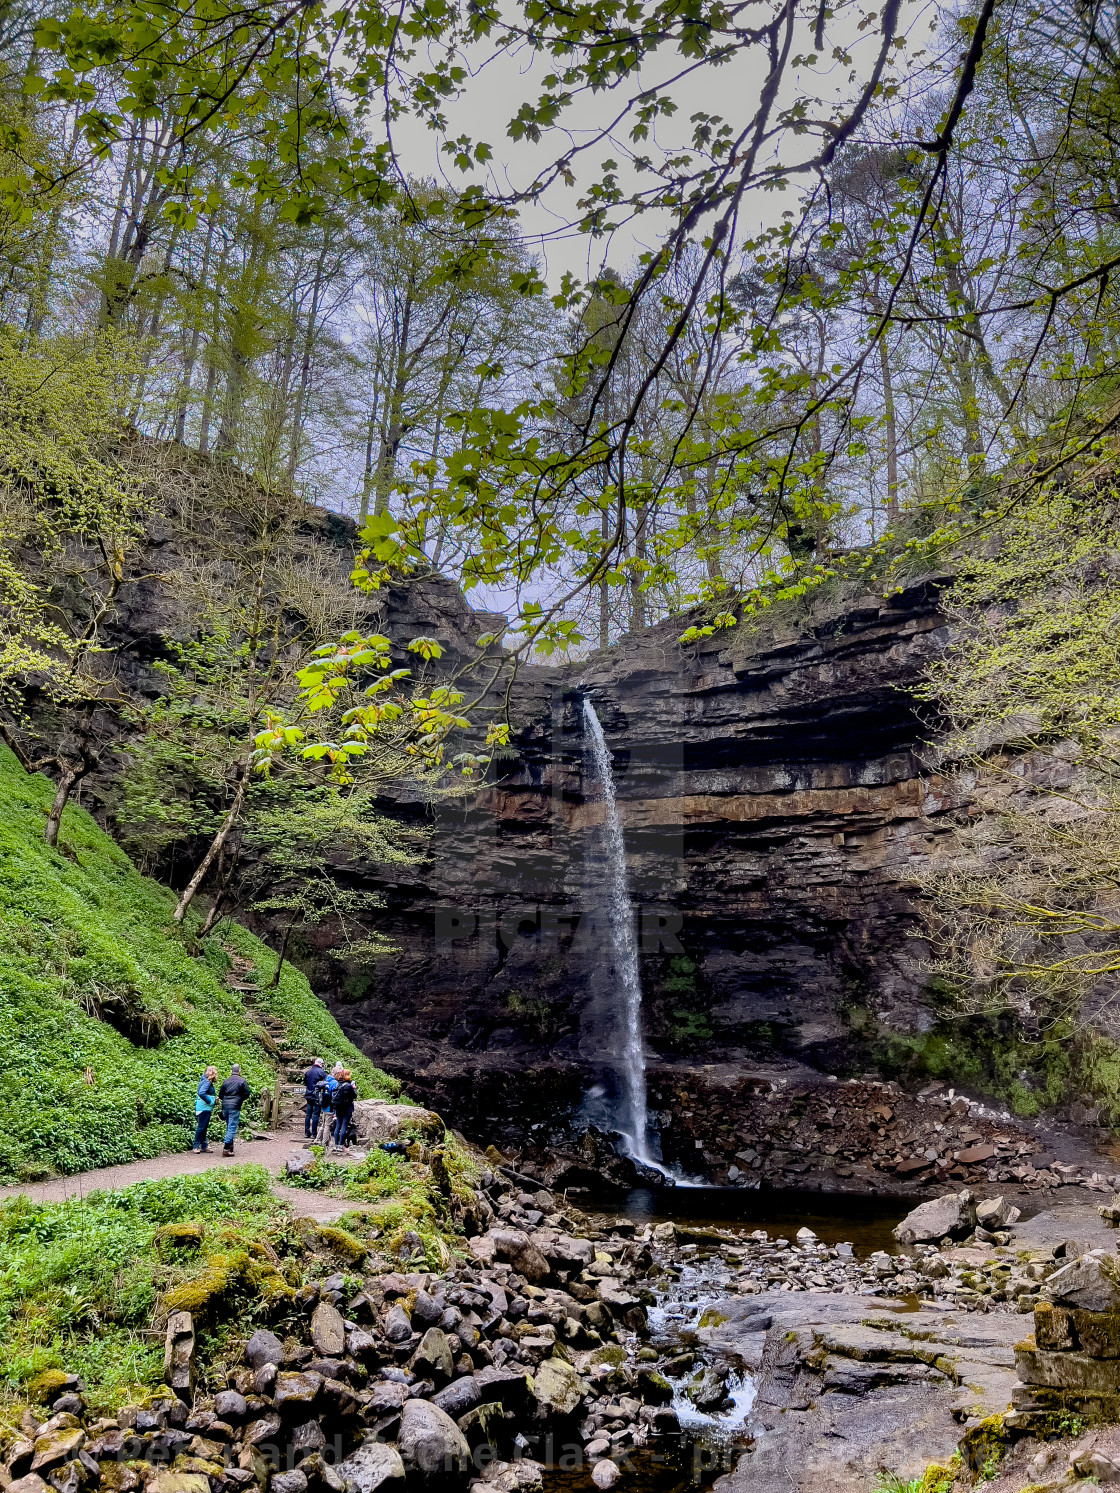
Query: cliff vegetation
<point x="108" y="1012"/>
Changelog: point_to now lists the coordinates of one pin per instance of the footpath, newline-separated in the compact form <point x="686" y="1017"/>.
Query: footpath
<point x="267" y="1149"/>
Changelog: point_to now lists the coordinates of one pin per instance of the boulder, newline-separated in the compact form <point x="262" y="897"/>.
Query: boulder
<point x="605" y="1473"/>
<point x="950" y="1217"/>
<point x="385" y="1398"/>
<point x="57" y="1447"/>
<point x="557" y="1387"/>
<point x="289" y="1482"/>
<point x="1090" y="1283"/>
<point x="653" y="1387"/>
<point x="458" y="1397"/>
<point x="376" y="1121"/>
<point x="296" y="1391"/>
<point x="264" y="1429"/>
<point x="430" y="1442"/>
<point x="229" y="1405"/>
<point x="328" y="1331"/>
<point x="433" y="1356"/>
<point x="373" y="1465"/>
<point x="509" y="1387"/>
<point x="995" y="1213"/>
<point x="522" y="1476"/>
<point x="397" y="1325"/>
<point x="178" y="1355"/>
<point x="30" y="1483"/>
<point x="426" y="1311"/>
<point x="299" y="1163"/>
<point x="515" y="1246"/>
<point x="359" y="1343"/>
<point x="178" y="1482"/>
<point x="307" y="1439"/>
<point x="263" y="1347"/>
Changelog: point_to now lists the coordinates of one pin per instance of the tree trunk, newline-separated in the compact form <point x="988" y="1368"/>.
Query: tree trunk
<point x="220" y="895"/>
<point x="889" y="430"/>
<point x="305" y="368"/>
<point x="192" y="886"/>
<point x="71" y="773"/>
<point x="637" y="595"/>
<point x="275" y="981"/>
<point x="196" y="338"/>
<point x="604" y="592"/>
<point x="392" y="431"/>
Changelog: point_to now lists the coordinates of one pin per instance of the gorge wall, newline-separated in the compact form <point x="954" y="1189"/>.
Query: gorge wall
<point x="774" y="810"/>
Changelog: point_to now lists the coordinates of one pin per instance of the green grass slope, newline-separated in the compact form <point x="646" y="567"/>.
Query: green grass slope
<point x="80" y="931"/>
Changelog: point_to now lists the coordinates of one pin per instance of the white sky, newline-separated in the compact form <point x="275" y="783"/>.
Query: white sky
<point x="500" y="84"/>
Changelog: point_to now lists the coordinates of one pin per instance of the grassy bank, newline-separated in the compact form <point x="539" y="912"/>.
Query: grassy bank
<point x="86" y="1285"/>
<point x="91" y="969"/>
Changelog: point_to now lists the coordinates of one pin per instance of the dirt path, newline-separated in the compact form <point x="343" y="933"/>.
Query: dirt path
<point x="269" y="1150"/>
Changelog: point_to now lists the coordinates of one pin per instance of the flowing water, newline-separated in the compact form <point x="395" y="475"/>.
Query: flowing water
<point x="632" y="1117"/>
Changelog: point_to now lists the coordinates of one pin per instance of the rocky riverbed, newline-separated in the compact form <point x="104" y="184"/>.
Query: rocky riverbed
<point x="568" y="1348"/>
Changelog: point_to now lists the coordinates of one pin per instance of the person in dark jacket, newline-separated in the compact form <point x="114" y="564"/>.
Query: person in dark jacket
<point x="345" y="1097"/>
<point x="312" y="1078"/>
<point x="205" y="1097"/>
<point x="231" y="1096"/>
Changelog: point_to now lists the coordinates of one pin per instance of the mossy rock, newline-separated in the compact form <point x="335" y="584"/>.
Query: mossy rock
<point x="276" y="1293"/>
<point x="610" y="1353"/>
<point x="712" y="1317"/>
<point x="205" y="1293"/>
<point x="984" y="1446"/>
<point x="47" y="1385"/>
<point x="939" y="1476"/>
<point x="342" y="1243"/>
<point x="178" y="1236"/>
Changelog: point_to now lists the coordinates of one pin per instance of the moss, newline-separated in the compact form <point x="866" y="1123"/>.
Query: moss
<point x="204" y="1294"/>
<point x="984" y="1446"/>
<point x="342" y="1243"/>
<point x="46" y="1386"/>
<point x="713" y="1318"/>
<point x="174" y="1237"/>
<point x="610" y="1353"/>
<point x="940" y="1476"/>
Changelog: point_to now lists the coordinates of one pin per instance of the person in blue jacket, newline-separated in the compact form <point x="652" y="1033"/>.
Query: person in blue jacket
<point x="324" y="1098"/>
<point x="205" y="1097"/>
<point x="312" y="1078"/>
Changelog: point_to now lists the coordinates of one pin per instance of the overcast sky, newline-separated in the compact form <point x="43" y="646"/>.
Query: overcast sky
<point x="500" y="84"/>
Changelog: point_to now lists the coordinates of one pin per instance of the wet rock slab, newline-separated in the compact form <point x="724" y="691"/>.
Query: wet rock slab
<point x="846" y="1386"/>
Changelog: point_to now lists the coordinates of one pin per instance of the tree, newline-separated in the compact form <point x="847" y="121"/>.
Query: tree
<point x="1024" y="911"/>
<point x="307" y="840"/>
<point x="67" y="500"/>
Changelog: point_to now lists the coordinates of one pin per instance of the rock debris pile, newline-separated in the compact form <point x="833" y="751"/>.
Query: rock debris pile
<point x="855" y="1132"/>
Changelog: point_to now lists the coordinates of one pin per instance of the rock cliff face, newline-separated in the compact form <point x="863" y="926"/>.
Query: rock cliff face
<point x="773" y="807"/>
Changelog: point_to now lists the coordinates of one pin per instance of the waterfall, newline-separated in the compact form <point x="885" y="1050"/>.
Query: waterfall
<point x="632" y="1118"/>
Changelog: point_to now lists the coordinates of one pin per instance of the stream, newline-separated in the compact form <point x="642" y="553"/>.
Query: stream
<point x="711" y="1438"/>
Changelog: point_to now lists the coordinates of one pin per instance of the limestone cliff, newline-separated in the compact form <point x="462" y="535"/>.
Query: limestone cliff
<point x="774" y="806"/>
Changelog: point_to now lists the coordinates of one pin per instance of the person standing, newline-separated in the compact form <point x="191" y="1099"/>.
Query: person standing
<point x="231" y="1096"/>
<point x="324" y="1094"/>
<point x="205" y="1097"/>
<point x="344" y="1099"/>
<point x="312" y="1078"/>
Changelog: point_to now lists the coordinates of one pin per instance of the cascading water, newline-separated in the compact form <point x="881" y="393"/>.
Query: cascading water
<point x="632" y="1119"/>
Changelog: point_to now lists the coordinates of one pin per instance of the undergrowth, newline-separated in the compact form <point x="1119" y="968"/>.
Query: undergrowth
<point x="413" y="1194"/>
<point x="86" y="941"/>
<point x="79" y="1280"/>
